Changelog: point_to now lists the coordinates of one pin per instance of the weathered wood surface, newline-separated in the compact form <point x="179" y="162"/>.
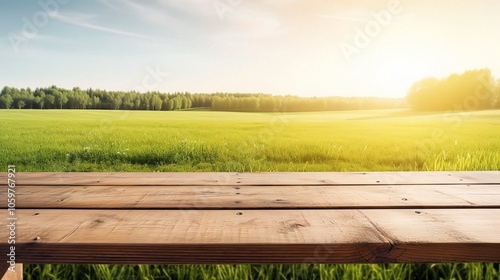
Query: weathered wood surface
<point x="183" y="218"/>
<point x="275" y="178"/>
<point x="257" y="197"/>
<point x="6" y="274"/>
<point x="256" y="236"/>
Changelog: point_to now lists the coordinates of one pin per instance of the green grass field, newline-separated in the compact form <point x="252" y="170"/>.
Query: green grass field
<point x="73" y="140"/>
<point x="384" y="140"/>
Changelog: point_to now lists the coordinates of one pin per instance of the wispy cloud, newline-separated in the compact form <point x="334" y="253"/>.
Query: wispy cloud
<point x="150" y="12"/>
<point x="109" y="4"/>
<point x="193" y="8"/>
<point x="82" y="20"/>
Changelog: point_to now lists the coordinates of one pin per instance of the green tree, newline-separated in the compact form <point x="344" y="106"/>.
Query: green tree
<point x="472" y="90"/>
<point x="6" y="101"/>
<point x="164" y="102"/>
<point x="178" y="102"/>
<point x="156" y="102"/>
<point x="137" y="104"/>
<point x="60" y="98"/>
<point x="496" y="103"/>
<point x="117" y="101"/>
<point x="170" y="104"/>
<point x="41" y="101"/>
<point x="49" y="100"/>
<point x="128" y="102"/>
<point x="21" y="104"/>
<point x="95" y="101"/>
<point x="38" y="100"/>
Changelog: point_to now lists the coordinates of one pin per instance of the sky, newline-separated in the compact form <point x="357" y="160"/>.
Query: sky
<point x="306" y="48"/>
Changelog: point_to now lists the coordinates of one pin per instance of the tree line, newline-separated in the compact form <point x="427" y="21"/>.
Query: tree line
<point x="471" y="90"/>
<point x="269" y="103"/>
<point x="76" y="98"/>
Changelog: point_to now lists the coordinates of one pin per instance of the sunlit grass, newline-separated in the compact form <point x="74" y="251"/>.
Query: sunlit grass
<point x="214" y="141"/>
<point x="266" y="272"/>
<point x="383" y="140"/>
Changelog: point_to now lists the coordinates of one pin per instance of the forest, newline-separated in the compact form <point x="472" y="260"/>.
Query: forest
<point x="471" y="90"/>
<point x="76" y="98"/>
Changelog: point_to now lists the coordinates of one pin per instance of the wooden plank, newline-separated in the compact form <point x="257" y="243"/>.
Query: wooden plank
<point x="370" y="178"/>
<point x="6" y="274"/>
<point x="256" y="197"/>
<point x="256" y="236"/>
<point x="124" y="179"/>
<point x="277" y="178"/>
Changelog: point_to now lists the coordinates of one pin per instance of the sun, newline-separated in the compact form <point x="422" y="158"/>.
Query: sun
<point x="393" y="73"/>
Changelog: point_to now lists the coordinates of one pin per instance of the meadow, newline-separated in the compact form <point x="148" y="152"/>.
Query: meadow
<point x="165" y="141"/>
<point x="383" y="140"/>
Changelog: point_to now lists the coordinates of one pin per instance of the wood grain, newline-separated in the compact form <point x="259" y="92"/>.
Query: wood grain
<point x="256" y="197"/>
<point x="275" y="178"/>
<point x="187" y="218"/>
<point x="257" y="236"/>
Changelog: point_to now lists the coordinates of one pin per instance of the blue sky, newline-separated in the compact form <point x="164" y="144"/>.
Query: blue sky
<point x="307" y="48"/>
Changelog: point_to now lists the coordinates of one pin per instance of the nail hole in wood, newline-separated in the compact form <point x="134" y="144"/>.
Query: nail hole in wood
<point x="239" y="213"/>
